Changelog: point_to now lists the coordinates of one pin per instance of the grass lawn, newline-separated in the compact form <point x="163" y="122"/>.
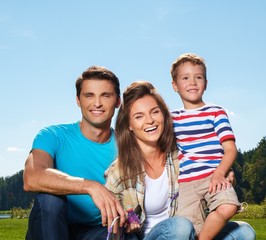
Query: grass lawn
<point x="259" y="226"/>
<point x="15" y="229"/>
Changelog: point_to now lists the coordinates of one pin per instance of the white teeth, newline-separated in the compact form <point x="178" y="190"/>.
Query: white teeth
<point x="192" y="90"/>
<point x="150" y="129"/>
<point x="96" y="111"/>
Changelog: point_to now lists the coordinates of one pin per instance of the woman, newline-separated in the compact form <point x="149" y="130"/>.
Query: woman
<point x="144" y="177"/>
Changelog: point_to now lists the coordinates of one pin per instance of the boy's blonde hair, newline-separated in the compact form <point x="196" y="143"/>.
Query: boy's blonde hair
<point x="188" y="57"/>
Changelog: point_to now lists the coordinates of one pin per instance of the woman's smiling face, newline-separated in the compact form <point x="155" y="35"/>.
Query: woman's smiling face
<point x="146" y="120"/>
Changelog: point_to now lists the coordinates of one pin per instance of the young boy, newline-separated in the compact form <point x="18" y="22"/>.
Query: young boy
<point x="207" y="150"/>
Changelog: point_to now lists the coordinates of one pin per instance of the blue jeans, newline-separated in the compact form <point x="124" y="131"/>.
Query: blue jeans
<point x="237" y="230"/>
<point x="48" y="221"/>
<point x="182" y="229"/>
<point x="172" y="228"/>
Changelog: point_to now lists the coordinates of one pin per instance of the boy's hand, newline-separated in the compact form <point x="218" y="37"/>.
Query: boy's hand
<point x="230" y="177"/>
<point x="218" y="182"/>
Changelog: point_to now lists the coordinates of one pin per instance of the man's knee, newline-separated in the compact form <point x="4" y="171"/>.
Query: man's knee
<point x="48" y="218"/>
<point x="50" y="204"/>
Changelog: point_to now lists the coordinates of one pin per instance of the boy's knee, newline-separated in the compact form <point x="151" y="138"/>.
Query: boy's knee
<point x="226" y="210"/>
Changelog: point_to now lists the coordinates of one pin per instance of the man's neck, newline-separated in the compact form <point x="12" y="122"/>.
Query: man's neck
<point x="96" y="134"/>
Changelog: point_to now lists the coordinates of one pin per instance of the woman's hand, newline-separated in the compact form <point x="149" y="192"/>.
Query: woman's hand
<point x="132" y="227"/>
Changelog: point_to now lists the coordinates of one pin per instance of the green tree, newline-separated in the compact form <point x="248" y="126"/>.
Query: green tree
<point x="254" y="174"/>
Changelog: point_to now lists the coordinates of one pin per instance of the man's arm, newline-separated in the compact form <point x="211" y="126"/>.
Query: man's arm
<point x="40" y="176"/>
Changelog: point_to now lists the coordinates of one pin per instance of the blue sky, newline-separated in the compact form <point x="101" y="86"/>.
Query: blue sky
<point x="46" y="45"/>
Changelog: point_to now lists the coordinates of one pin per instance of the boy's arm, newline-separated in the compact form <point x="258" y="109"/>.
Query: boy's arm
<point x="218" y="181"/>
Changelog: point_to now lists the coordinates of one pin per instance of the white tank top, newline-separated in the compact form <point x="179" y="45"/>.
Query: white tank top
<point x="156" y="200"/>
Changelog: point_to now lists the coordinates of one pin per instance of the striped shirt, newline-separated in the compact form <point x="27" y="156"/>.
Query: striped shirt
<point x="199" y="134"/>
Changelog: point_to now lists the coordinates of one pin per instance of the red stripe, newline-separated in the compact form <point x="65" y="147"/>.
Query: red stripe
<point x="227" y="137"/>
<point x="201" y="114"/>
<point x="205" y="158"/>
<point x="196" y="138"/>
<point x="189" y="179"/>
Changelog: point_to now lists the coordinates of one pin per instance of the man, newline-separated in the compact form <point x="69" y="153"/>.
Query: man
<point x="67" y="162"/>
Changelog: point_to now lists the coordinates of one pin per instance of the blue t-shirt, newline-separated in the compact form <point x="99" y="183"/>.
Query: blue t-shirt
<point x="80" y="157"/>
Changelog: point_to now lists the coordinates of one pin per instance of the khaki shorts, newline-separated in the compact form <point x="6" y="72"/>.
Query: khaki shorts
<point x="195" y="201"/>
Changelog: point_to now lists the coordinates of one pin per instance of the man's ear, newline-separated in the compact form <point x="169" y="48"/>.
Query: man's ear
<point x="118" y="102"/>
<point x="77" y="100"/>
<point x="174" y="86"/>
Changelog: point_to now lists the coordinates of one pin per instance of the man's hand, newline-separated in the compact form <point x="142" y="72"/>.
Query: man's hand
<point x="109" y="206"/>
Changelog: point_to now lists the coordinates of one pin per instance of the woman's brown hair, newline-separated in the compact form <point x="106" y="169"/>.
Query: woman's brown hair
<point x="130" y="157"/>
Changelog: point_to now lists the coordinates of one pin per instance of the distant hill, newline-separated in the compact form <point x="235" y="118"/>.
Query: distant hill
<point x="12" y="193"/>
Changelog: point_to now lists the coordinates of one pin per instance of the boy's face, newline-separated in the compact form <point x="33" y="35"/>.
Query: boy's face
<point x="190" y="84"/>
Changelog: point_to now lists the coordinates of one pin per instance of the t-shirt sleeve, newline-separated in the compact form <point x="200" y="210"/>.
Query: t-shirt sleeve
<point x="46" y="140"/>
<point x="222" y="126"/>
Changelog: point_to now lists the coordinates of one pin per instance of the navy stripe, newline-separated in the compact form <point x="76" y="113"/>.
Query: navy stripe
<point x="198" y="169"/>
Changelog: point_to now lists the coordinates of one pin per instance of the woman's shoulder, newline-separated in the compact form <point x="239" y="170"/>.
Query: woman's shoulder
<point x="113" y="170"/>
<point x="173" y="159"/>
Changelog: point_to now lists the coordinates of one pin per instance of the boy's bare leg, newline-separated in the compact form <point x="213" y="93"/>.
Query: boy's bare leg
<point x="216" y="220"/>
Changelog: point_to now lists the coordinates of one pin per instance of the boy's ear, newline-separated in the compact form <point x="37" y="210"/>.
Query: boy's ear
<point x="174" y="86"/>
<point x="206" y="83"/>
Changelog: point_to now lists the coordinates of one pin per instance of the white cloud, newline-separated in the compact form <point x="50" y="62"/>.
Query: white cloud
<point x="15" y="149"/>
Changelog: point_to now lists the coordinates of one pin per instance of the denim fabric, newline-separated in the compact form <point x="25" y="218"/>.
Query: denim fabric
<point x="48" y="218"/>
<point x="85" y="232"/>
<point x="237" y="231"/>
<point x="172" y="228"/>
<point x="48" y="221"/>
